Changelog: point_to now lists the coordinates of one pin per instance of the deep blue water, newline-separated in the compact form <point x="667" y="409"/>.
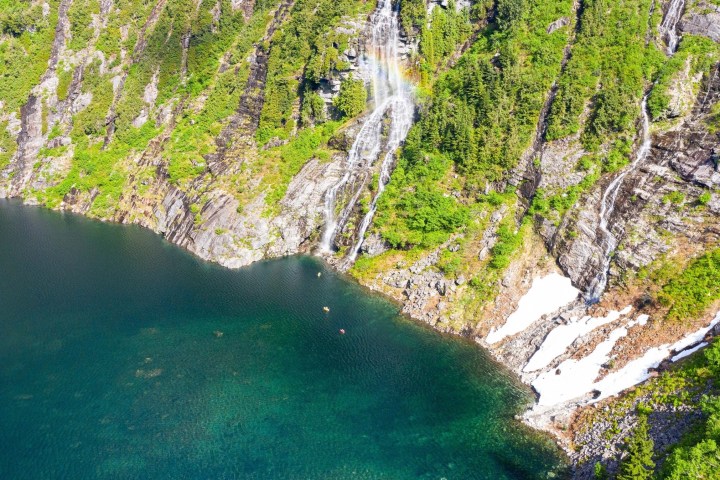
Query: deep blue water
<point x="112" y="365"/>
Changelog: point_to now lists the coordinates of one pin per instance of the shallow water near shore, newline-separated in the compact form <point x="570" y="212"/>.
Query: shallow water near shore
<point x="122" y="356"/>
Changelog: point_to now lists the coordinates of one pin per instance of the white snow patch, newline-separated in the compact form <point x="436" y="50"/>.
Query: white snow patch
<point x="695" y="337"/>
<point x="561" y="337"/>
<point x="631" y="374"/>
<point x="576" y="377"/>
<point x="546" y="295"/>
<point x="689" y="351"/>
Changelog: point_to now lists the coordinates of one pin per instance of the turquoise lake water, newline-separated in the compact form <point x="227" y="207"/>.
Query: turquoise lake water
<point x="122" y="356"/>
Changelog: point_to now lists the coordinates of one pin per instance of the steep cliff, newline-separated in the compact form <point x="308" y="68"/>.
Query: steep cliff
<point x="558" y="185"/>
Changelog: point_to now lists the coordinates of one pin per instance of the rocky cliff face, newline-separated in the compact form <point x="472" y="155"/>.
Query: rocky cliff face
<point x="217" y="125"/>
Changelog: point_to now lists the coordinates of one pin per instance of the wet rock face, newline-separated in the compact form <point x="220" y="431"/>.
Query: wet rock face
<point x="30" y="141"/>
<point x="698" y="161"/>
<point x="578" y="244"/>
<point x="559" y="23"/>
<point x="682" y="162"/>
<point x="703" y="20"/>
<point x="693" y="151"/>
<point x="374" y="245"/>
<point x="303" y="207"/>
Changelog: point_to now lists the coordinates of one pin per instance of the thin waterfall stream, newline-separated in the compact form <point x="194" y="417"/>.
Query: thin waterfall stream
<point x="392" y="99"/>
<point x="668" y="29"/>
<point x="607" y="205"/>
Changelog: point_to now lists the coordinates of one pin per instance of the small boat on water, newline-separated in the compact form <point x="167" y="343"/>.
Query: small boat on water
<point x="326" y="309"/>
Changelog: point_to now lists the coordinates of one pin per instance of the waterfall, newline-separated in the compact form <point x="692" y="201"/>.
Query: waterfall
<point x="392" y="98"/>
<point x="401" y="116"/>
<point x="607" y="205"/>
<point x="668" y="27"/>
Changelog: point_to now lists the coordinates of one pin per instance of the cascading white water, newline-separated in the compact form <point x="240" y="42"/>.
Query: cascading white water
<point x="402" y="114"/>
<point x="607" y="205"/>
<point x="392" y="98"/>
<point x="668" y="27"/>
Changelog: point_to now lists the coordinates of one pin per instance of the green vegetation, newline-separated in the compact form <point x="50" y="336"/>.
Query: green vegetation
<point x="7" y="145"/>
<point x="478" y="120"/>
<point x="555" y="206"/>
<point x="313" y="109"/>
<point x="483" y="78"/>
<point x="704" y="198"/>
<point x="160" y="62"/>
<point x="483" y="112"/>
<point x="689" y="293"/>
<point x="686" y="288"/>
<point x="24" y="54"/>
<point x="638" y="464"/>
<point x="413" y="16"/>
<point x="64" y="80"/>
<point x="91" y="121"/>
<point x="697" y="55"/>
<point x="18" y="17"/>
<point x="507" y="243"/>
<point x="674" y="197"/>
<point x="100" y="170"/>
<point x="194" y="136"/>
<point x="415" y="210"/>
<point x="352" y="97"/>
<point x="713" y="121"/>
<point x="601" y="472"/>
<point x="441" y="35"/>
<point x="291" y="157"/>
<point x="307" y="41"/>
<point x="611" y="51"/>
<point x="80" y="15"/>
<point x="698" y="457"/>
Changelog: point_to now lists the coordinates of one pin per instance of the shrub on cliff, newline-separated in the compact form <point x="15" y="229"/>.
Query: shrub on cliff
<point x="695" y="289"/>
<point x="700" y="460"/>
<point x="352" y="97"/>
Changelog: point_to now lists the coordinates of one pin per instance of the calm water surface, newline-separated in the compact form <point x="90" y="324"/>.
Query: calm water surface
<point x="122" y="356"/>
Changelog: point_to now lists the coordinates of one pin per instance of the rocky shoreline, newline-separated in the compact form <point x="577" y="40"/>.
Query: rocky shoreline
<point x="667" y="208"/>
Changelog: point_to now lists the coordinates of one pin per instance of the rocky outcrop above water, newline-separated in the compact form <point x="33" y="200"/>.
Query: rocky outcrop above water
<point x="302" y="211"/>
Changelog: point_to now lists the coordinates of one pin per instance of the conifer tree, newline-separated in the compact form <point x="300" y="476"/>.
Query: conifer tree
<point x="600" y="472"/>
<point x="638" y="464"/>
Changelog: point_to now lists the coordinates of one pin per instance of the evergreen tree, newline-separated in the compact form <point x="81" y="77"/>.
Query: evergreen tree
<point x="638" y="464"/>
<point x="600" y="472"/>
<point x="352" y="97"/>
